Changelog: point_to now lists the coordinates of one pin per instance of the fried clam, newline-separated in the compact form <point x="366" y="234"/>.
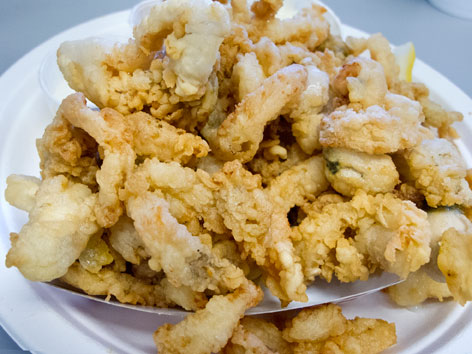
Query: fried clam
<point x="377" y="129"/>
<point x="261" y="228"/>
<point x="112" y="135"/>
<point x="349" y="170"/>
<point x="362" y="80"/>
<point x="68" y="150"/>
<point x="209" y="329"/>
<point x="306" y="115"/>
<point x="132" y="290"/>
<point x="239" y="135"/>
<point x="308" y="27"/>
<point x="438" y="171"/>
<point x="140" y="75"/>
<point x="61" y="222"/>
<point x="430" y="281"/>
<point x="185" y="260"/>
<point x="361" y="235"/>
<point x="155" y="138"/>
<point x="190" y="193"/>
<point x="380" y="51"/>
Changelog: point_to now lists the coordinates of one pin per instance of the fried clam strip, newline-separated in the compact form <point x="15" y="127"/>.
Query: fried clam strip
<point x="261" y="228"/>
<point x="188" y="192"/>
<point x="208" y="330"/>
<point x="302" y="182"/>
<point x="308" y="27"/>
<point x="435" y="115"/>
<point x="109" y="130"/>
<point x="157" y="138"/>
<point x="438" y="171"/>
<point x="363" y="80"/>
<point x="254" y="335"/>
<point x="353" y="238"/>
<point x="188" y="29"/>
<point x="375" y="130"/>
<point x="455" y="263"/>
<point x="348" y="170"/>
<point x="131" y="290"/>
<point x="183" y="257"/>
<point x="325" y="330"/>
<point x="380" y="51"/>
<point x="61" y="221"/>
<point x="306" y="113"/>
<point x="418" y="287"/>
<point x="240" y="134"/>
<point x="68" y="150"/>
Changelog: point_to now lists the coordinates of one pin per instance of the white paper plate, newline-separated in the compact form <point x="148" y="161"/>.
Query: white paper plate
<point x="41" y="318"/>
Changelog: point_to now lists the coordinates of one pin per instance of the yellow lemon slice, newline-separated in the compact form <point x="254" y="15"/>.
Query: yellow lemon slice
<point x="405" y="58"/>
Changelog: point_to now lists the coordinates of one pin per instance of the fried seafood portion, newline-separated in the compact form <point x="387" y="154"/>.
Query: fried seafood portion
<point x="190" y="193"/>
<point x="363" y="81"/>
<point x="185" y="260"/>
<point x="417" y="288"/>
<point x="261" y="228"/>
<point x="380" y="51"/>
<point x="68" y="150"/>
<point x="302" y="182"/>
<point x="349" y="170"/>
<point x="109" y="130"/>
<point x="154" y="138"/>
<point x="362" y="234"/>
<point x="256" y="335"/>
<point x="375" y="130"/>
<point x="61" y="221"/>
<point x="438" y="171"/>
<point x="455" y="263"/>
<point x="208" y="330"/>
<point x="321" y="329"/>
<point x="189" y="30"/>
<point x="132" y="76"/>
<point x="132" y="290"/>
<point x="240" y="134"/>
<point x="306" y="113"/>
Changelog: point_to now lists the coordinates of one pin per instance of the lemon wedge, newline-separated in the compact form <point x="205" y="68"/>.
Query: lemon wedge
<point x="405" y="58"/>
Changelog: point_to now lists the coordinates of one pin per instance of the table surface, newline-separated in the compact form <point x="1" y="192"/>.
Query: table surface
<point x="442" y="41"/>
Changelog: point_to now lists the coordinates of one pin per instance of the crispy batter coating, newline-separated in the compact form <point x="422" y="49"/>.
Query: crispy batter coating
<point x="61" y="221"/>
<point x="363" y="80"/>
<point x="261" y="228"/>
<point x="308" y="27"/>
<point x="349" y="170"/>
<point x="324" y="329"/>
<point x="21" y="191"/>
<point x="183" y="257"/>
<point x="375" y="130"/>
<point x="380" y="51"/>
<point x="362" y="234"/>
<point x="124" y="239"/>
<point x="68" y="150"/>
<point x="455" y="263"/>
<point x="153" y="138"/>
<point x="208" y="330"/>
<point x="306" y="114"/>
<point x="439" y="172"/>
<point x="316" y="324"/>
<point x="299" y="183"/>
<point x="417" y="288"/>
<point x="188" y="192"/>
<point x="131" y="290"/>
<point x="188" y="29"/>
<point x="240" y="134"/>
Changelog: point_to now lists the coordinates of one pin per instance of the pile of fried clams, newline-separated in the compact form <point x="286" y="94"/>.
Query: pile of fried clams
<point x="233" y="148"/>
